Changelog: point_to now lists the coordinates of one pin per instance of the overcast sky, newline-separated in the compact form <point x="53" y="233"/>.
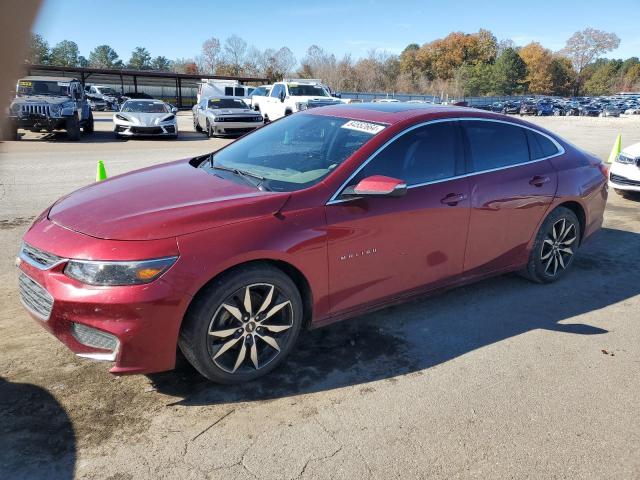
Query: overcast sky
<point x="178" y="28"/>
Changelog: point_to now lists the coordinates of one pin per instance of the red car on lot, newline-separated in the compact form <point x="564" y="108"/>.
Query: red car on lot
<point x="320" y="216"/>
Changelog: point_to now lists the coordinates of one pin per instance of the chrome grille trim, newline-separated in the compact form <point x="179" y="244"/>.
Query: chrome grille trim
<point x="38" y="258"/>
<point x="35" y="297"/>
<point x="30" y="109"/>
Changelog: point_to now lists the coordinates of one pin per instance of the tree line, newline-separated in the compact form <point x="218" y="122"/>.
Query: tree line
<point x="460" y="64"/>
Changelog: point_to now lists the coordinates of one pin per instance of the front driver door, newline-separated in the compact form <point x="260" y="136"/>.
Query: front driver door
<point x="381" y="246"/>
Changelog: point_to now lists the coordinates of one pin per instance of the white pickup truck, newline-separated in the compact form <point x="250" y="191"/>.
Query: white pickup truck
<point x="290" y="96"/>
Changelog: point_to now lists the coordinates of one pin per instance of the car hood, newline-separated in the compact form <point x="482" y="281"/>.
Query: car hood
<point x="317" y="99"/>
<point x="161" y="202"/>
<point x="632" y="150"/>
<point x="40" y="99"/>
<point x="232" y="111"/>
<point x="144" y="119"/>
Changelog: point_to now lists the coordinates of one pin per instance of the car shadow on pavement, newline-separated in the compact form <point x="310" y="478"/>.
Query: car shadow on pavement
<point x="429" y="331"/>
<point x="38" y="440"/>
<point x="108" y="137"/>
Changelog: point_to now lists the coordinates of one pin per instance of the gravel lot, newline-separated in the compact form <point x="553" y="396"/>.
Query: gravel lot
<point x="502" y="378"/>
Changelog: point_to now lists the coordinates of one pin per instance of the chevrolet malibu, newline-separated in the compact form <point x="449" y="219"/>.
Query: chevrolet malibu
<point x="320" y="216"/>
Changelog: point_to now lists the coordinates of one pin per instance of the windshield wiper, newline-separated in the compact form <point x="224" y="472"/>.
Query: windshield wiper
<point x="248" y="176"/>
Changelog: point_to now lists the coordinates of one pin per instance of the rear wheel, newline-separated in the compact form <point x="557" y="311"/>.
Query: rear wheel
<point x="88" y="125"/>
<point x="243" y="325"/>
<point x="555" y="246"/>
<point x="196" y="125"/>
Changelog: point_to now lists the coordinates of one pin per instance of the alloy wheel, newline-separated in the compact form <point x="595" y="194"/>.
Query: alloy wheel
<point x="249" y="329"/>
<point x="557" y="247"/>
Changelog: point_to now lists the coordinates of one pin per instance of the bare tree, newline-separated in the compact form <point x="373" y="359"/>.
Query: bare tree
<point x="584" y="47"/>
<point x="210" y="55"/>
<point x="235" y="49"/>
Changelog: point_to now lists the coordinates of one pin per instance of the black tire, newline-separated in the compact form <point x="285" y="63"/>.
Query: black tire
<point x="73" y="128"/>
<point x="196" y="125"/>
<point x="88" y="125"/>
<point x="543" y="256"/>
<point x="201" y="348"/>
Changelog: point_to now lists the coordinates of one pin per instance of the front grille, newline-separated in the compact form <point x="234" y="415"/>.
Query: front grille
<point x="38" y="258"/>
<point x="36" y="110"/>
<point x="315" y="104"/>
<point x="238" y="130"/>
<point x="35" y="297"/>
<point x="620" y="180"/>
<point x="251" y="118"/>
<point x="146" y="130"/>
<point x="92" y="337"/>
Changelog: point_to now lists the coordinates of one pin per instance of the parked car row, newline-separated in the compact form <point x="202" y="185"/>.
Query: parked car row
<point x="576" y="106"/>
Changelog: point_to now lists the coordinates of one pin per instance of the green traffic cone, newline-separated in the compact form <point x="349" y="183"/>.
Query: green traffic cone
<point x="101" y="172"/>
<point x="615" y="151"/>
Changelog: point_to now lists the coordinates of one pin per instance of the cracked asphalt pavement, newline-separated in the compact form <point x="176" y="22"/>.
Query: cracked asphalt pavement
<point x="499" y="379"/>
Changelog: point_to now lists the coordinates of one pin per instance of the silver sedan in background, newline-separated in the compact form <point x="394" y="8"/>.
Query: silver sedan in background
<point x="145" y="118"/>
<point x="222" y="116"/>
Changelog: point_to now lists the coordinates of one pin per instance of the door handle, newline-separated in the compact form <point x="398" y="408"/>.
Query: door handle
<point x="538" y="181"/>
<point x="453" y="198"/>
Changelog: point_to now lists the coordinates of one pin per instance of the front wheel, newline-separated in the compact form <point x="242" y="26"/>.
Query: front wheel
<point x="73" y="128"/>
<point x="554" y="248"/>
<point x="88" y="125"/>
<point x="243" y="325"/>
<point x="196" y="125"/>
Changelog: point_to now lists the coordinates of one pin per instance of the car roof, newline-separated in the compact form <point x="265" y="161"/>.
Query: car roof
<point x="50" y="79"/>
<point x="394" y="113"/>
<point x="145" y="100"/>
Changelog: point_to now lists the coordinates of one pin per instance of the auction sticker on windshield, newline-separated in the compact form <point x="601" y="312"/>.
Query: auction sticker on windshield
<point x="366" y="127"/>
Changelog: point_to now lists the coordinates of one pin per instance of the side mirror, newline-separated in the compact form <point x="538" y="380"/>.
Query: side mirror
<point x="174" y="110"/>
<point x="377" y="186"/>
<point x="282" y="96"/>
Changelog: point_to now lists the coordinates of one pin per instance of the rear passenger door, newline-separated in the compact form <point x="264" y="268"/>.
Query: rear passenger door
<point x="512" y="184"/>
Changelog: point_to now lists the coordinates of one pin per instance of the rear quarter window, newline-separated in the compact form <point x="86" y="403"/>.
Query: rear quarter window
<point x="540" y="146"/>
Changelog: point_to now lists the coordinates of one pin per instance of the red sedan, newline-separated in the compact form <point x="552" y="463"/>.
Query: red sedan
<point x="317" y="217"/>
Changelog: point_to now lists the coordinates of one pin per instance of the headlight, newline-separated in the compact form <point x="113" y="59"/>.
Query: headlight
<point x="55" y="109"/>
<point x="118" y="273"/>
<point x="122" y="117"/>
<point x="301" y="106"/>
<point x="15" y="108"/>
<point x="169" y="118"/>
<point x="624" y="159"/>
<point x="216" y="119"/>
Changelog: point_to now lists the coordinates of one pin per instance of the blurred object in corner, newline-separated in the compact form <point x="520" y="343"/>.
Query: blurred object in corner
<point x="16" y="20"/>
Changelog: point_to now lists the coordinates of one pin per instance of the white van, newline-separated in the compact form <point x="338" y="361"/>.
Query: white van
<point x="223" y="88"/>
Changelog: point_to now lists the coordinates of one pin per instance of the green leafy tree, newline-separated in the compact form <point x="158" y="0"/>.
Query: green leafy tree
<point x="563" y="76"/>
<point x="162" y="64"/>
<point x="509" y="73"/>
<point x="103" y="56"/>
<point x="65" y="54"/>
<point x="140" y="59"/>
<point x="601" y="81"/>
<point x="38" y="50"/>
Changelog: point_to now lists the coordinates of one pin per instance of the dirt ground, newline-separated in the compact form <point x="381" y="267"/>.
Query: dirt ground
<point x="500" y="379"/>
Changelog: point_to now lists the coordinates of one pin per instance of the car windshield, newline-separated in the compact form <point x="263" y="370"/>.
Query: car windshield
<point x="296" y="151"/>
<point x="107" y="91"/>
<point x="226" y="103"/>
<point x="42" y="87"/>
<point x="145" y="107"/>
<point x="307" y="90"/>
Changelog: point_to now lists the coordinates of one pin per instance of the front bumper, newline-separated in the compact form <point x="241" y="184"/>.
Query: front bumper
<point x="234" y="128"/>
<point x="625" y="177"/>
<point x="136" y="327"/>
<point x="170" y="130"/>
<point x="36" y="121"/>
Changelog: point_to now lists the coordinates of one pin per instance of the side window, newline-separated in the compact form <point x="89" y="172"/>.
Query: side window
<point x="540" y="146"/>
<point x="239" y="91"/>
<point x="425" y="154"/>
<point x="494" y="144"/>
<point x="228" y="91"/>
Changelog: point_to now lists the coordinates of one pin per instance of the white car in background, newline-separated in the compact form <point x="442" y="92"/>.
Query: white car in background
<point x="221" y="116"/>
<point x="145" y="118"/>
<point x="291" y="96"/>
<point x="624" y="174"/>
<point x="258" y="94"/>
